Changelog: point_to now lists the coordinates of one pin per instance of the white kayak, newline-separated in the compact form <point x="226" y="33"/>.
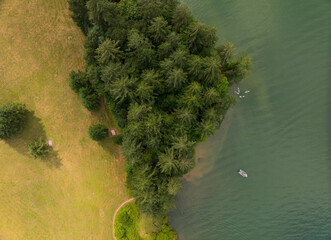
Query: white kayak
<point x="242" y="173"/>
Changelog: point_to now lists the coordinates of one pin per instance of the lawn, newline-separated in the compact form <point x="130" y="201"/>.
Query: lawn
<point x="74" y="192"/>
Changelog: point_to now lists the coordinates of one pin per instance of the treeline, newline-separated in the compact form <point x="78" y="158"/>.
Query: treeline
<point x="164" y="80"/>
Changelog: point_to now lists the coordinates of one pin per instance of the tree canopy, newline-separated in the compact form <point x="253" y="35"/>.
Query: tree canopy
<point x="166" y="83"/>
<point x="12" y="118"/>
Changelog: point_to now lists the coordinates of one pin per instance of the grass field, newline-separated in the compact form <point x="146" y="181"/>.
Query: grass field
<point x="74" y="193"/>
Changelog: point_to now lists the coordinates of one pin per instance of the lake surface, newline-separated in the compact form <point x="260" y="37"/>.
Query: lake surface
<point x="279" y="133"/>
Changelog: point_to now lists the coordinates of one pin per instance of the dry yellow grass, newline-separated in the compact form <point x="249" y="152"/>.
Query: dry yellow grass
<point x="74" y="193"/>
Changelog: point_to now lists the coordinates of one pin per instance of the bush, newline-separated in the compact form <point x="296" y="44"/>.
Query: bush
<point x="12" y="118"/>
<point x="98" y="132"/>
<point x="38" y="148"/>
<point x="89" y="99"/>
<point x="118" y="139"/>
<point x="166" y="233"/>
<point x="126" y="223"/>
<point x="78" y="80"/>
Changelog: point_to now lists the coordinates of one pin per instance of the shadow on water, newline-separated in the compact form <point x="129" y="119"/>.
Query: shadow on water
<point x="33" y="129"/>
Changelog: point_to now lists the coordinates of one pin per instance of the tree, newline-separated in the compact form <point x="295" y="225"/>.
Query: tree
<point x="159" y="29"/>
<point x="207" y="127"/>
<point x="226" y="52"/>
<point x="182" y="17"/>
<point x="166" y="233"/>
<point x="180" y="58"/>
<point x="145" y="58"/>
<point x="97" y="132"/>
<point x="136" y="40"/>
<point x="109" y="51"/>
<point x="196" y="65"/>
<point x="186" y="116"/>
<point x="38" y="148"/>
<point x="212" y="72"/>
<point x="101" y="12"/>
<point x="110" y="73"/>
<point x="94" y="77"/>
<point x="210" y="96"/>
<point x="236" y="71"/>
<point x="244" y="66"/>
<point x="80" y="14"/>
<point x="89" y="99"/>
<point x="12" y="119"/>
<point x="182" y="146"/>
<point x="152" y="78"/>
<point x="176" y="78"/>
<point x="186" y="164"/>
<point x="210" y="114"/>
<point x="167" y="162"/>
<point x="174" y="39"/>
<point x="78" y="80"/>
<point x="200" y="37"/>
<point x="144" y="92"/>
<point x="194" y="88"/>
<point x="174" y="186"/>
<point x="166" y="65"/>
<point x="191" y="101"/>
<point x="129" y="8"/>
<point x="164" y="50"/>
<point x="123" y="88"/>
<point x="93" y="40"/>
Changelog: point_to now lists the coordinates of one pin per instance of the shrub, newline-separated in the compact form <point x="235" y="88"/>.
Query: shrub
<point x="98" y="132"/>
<point x="38" y="148"/>
<point x="89" y="99"/>
<point x="166" y="233"/>
<point x="126" y="223"/>
<point x="78" y="80"/>
<point x="12" y="118"/>
<point x="118" y="139"/>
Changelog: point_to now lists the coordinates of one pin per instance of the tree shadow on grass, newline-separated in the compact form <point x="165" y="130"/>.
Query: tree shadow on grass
<point x="52" y="159"/>
<point x="33" y="129"/>
<point x="109" y="146"/>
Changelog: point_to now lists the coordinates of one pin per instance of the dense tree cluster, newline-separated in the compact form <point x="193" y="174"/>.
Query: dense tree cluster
<point x="12" y="119"/>
<point x="164" y="80"/>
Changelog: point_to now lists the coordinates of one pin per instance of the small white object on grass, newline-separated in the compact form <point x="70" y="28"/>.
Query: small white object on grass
<point x="49" y="142"/>
<point x="247" y="91"/>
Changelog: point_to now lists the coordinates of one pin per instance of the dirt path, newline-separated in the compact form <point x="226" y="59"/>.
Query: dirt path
<point x="117" y="209"/>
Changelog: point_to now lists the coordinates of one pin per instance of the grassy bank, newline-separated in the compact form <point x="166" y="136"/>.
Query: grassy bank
<point x="73" y="193"/>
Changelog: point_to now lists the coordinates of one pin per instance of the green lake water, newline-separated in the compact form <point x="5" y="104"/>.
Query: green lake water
<point x="279" y="133"/>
